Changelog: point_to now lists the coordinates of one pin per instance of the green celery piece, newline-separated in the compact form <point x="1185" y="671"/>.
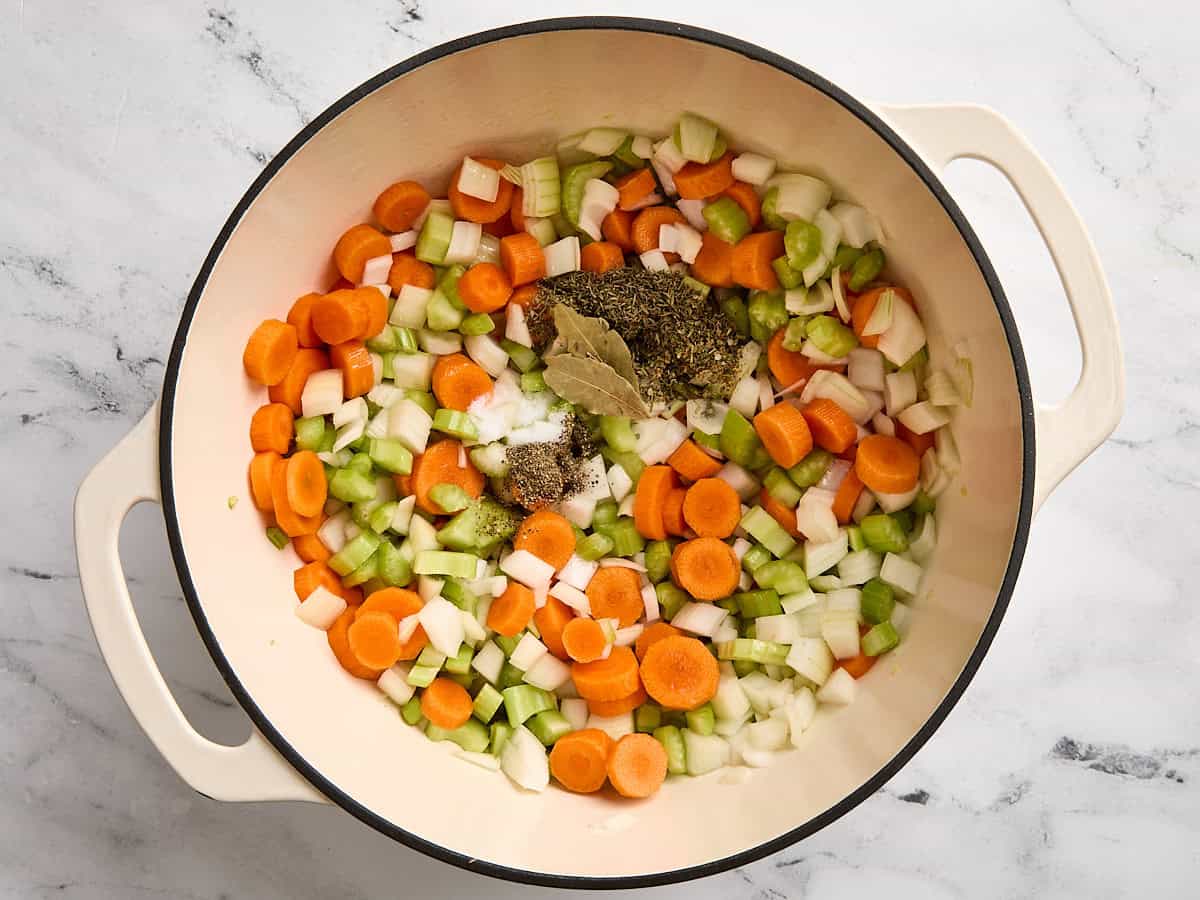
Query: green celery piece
<point x="574" y="180"/>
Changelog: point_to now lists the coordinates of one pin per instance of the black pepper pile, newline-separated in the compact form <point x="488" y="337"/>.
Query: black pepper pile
<point x="544" y="473"/>
<point x="682" y="344"/>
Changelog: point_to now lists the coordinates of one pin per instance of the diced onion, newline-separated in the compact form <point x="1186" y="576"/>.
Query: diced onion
<point x="839" y="298"/>
<point x="941" y="389"/>
<point x="699" y="618"/>
<point x="486" y="352"/>
<point x="438" y="343"/>
<point x="745" y="396"/>
<point x="688" y="242"/>
<point x="375" y="269"/>
<point x="619" y="482"/>
<point x="477" y="180"/>
<point x="602" y="141"/>
<point x="891" y="503"/>
<point x="839" y="690"/>
<point x="515" y="328"/>
<point x="800" y="196"/>
<point x="693" y="211"/>
<point x="883" y="425"/>
<point x="443" y="625"/>
<point x="464" y="242"/>
<point x="924" y="417"/>
<point x="322" y="394"/>
<point x="524" y="760"/>
<point x="905" y="336"/>
<point x="899" y="392"/>
<point x="642" y="147"/>
<point x="410" y="306"/>
<point x="865" y="368"/>
<point x="707" y="416"/>
<point x="548" y="673"/>
<point x="405" y="240"/>
<point x="321" y="608"/>
<point x="394" y="683"/>
<point x="753" y="168"/>
<point x="880" y="319"/>
<point x="743" y="483"/>
<point x="834" y="475"/>
<point x="654" y="261"/>
<point x="900" y="573"/>
<point x="561" y="256"/>
<point x="858" y="226"/>
<point x="527" y="569"/>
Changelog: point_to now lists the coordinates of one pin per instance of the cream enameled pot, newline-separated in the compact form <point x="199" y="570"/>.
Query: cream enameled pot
<point x="324" y="736"/>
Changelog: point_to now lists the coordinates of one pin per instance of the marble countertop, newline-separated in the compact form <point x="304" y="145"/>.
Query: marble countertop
<point x="129" y="129"/>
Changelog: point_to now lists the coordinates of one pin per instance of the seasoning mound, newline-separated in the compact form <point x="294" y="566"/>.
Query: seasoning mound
<point x="541" y="474"/>
<point x="682" y="344"/>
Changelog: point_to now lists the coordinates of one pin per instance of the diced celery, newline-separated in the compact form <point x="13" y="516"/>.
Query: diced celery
<point x="627" y="540"/>
<point x="756" y="557"/>
<point x="670" y="599"/>
<point x="739" y="440"/>
<point x="593" y="547"/>
<point x="422" y="676"/>
<point x="789" y="278"/>
<point x="385" y="341"/>
<point x="877" y="601"/>
<point x="431" y="657"/>
<point x="618" y="433"/>
<point x="866" y="269"/>
<point x="434" y="238"/>
<point x="630" y="462"/>
<point x="441" y="314"/>
<point x="487" y="702"/>
<point x="448" y="284"/>
<point x="472" y="736"/>
<point x="697" y="138"/>
<point x="451" y="498"/>
<point x="477" y="324"/>
<point x="759" y="524"/>
<point x="445" y="562"/>
<point x="743" y="667"/>
<point x="767" y="311"/>
<point x="734" y="308"/>
<point x="802" y="242"/>
<point x="923" y="504"/>
<point x="406" y="341"/>
<point x="753" y="650"/>
<point x="491" y="460"/>
<point x="811" y="469"/>
<point x="361" y="463"/>
<point x="845" y="257"/>
<point x="523" y="358"/>
<point x="702" y="720"/>
<point x="672" y="740"/>
<point x="460" y="663"/>
<point x="573" y="182"/>
<point x="423" y="399"/>
<point x="880" y="639"/>
<point x="310" y="433"/>
<point x="727" y="220"/>
<point x="533" y="382"/>
<point x="351" y="486"/>
<point x="606" y="514"/>
<point x="784" y="576"/>
<point x="500" y="732"/>
<point x="277" y="536"/>
<point x="698" y="286"/>
<point x="658" y="560"/>
<point x="411" y="711"/>
<point x="752" y="604"/>
<point x="548" y="726"/>
<point x="647" y="718"/>
<point x="770" y="214"/>
<point x="521" y="701"/>
<point x="781" y="488"/>
<point x="796" y="333"/>
<point x="708" y="441"/>
<point x="883" y="534"/>
<point x="390" y="455"/>
<point x="855" y="536"/>
<point x="507" y="644"/>
<point x="380" y="519"/>
<point x="905" y="519"/>
<point x="395" y="569"/>
<point x="354" y="553"/>
<point x="455" y="423"/>
<point x="830" y="336"/>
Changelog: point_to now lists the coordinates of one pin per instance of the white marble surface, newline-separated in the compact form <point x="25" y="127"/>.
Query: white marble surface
<point x="128" y="129"/>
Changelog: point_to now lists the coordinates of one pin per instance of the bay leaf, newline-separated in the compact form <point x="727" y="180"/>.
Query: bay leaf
<point x="582" y="335"/>
<point x="594" y="385"/>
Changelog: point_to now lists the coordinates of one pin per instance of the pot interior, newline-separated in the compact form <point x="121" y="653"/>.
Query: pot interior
<point x="513" y="98"/>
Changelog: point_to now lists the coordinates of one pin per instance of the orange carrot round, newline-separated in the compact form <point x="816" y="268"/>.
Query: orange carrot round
<point x="551" y="621"/>
<point x="616" y="593"/>
<point x="637" y="766"/>
<point x="860" y="665"/>
<point x="548" y="536"/>
<point x="270" y="351"/>
<point x="714" y="262"/>
<point x="407" y="269"/>
<point x="788" y="366"/>
<point x="584" y="640"/>
<point x="375" y="640"/>
<point x="310" y="548"/>
<point x="445" y="703"/>
<point x="375" y="307"/>
<point x="919" y="442"/>
<point x="705" y="567"/>
<point x="459" y="381"/>
<point x="601" y="256"/>
<point x="617" y="228"/>
<point x="337" y="317"/>
<point x="886" y="464"/>
<point x="750" y="265"/>
<point x="313" y="575"/>
<point x="608" y="679"/>
<point x="291" y="521"/>
<point x="358" y="371"/>
<point x="864" y="306"/>
<point x="697" y="181"/>
<point x="609" y="708"/>
<point x="484" y="288"/>
<point x="339" y="643"/>
<point x="306" y="485"/>
<point x="355" y="247"/>
<point x="784" y="515"/>
<point x="472" y="208"/>
<point x="746" y="197"/>
<point x="271" y="428"/>
<point x="846" y="497"/>
<point x="579" y="760"/>
<point x="523" y="296"/>
<point x="522" y="258"/>
<point x="399" y="205"/>
<point x="439" y="465"/>
<point x="680" y="673"/>
<point x="673" y="520"/>
<point x="653" y="487"/>
<point x="784" y="434"/>
<point x="831" y="426"/>
<point x="651" y="635"/>
<point x="399" y="602"/>
<point x="635" y="187"/>
<point x="512" y="610"/>
<point x="646" y="224"/>
<point x="712" y="508"/>
<point x="262" y="470"/>
<point x="290" y="391"/>
<point x="693" y="463"/>
<point x="300" y="318"/>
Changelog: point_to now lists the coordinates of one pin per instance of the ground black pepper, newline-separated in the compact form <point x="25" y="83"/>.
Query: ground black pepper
<point x="544" y="473"/>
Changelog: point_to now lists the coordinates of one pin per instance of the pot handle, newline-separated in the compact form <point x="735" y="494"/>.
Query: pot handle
<point x="1069" y="432"/>
<point x="128" y="475"/>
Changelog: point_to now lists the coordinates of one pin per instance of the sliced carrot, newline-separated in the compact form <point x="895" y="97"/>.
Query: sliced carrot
<point x="262" y="469"/>
<point x="439" y="465"/>
<point x="516" y="212"/>
<point x="502" y="227"/>
<point x="290" y="391"/>
<point x="445" y="703"/>
<point x="864" y="306"/>
<point x="616" y="593"/>
<point x="860" y="665"/>
<point x="673" y="521"/>
<point x="355" y="247"/>
<point x="339" y="643"/>
<point x="551" y="621"/>
<point x="407" y="269"/>
<point x="637" y="766"/>
<point x="784" y="434"/>
<point x="714" y="262"/>
<point x="697" y="181"/>
<point x="831" y="426"/>
<point x="472" y="208"/>
<point x="646" y="224"/>
<point x="745" y="196"/>
<point x="886" y="464"/>
<point x="584" y="640"/>
<point x="784" y="515"/>
<point x="712" y="508"/>
<point x="617" y="228"/>
<point x="374" y="640"/>
<point x="340" y="284"/>
<point x="400" y="603"/>
<point x="307" y="488"/>
<point x="310" y="548"/>
<point x="372" y="301"/>
<point x="292" y="522"/>
<point x="579" y="760"/>
<point x="706" y="568"/>
<point x="399" y="205"/>
<point x="608" y="679"/>
<point x="270" y="351"/>
<point x="651" y="635"/>
<point x="300" y="318"/>
<point x="484" y="288"/>
<point x="522" y="258"/>
<point x="313" y="575"/>
<point x="846" y="497"/>
<point x="548" y="536"/>
<point x="750" y="265"/>
<point x="358" y="371"/>
<point x="635" y="187"/>
<point x="459" y="381"/>
<point x="680" y="673"/>
<point x="788" y="366"/>
<point x="271" y="428"/>
<point x="512" y="610"/>
<point x="523" y="296"/>
<point x="601" y="256"/>
<point x="653" y="487"/>
<point x="338" y="317"/>
<point x="693" y="463"/>
<point x="609" y="708"/>
<point x="919" y="442"/>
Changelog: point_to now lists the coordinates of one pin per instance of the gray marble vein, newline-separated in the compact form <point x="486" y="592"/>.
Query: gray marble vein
<point x="129" y="129"/>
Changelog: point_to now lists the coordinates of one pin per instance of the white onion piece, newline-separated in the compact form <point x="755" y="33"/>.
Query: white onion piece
<point x="489" y="249"/>
<point x="743" y="483"/>
<point x="814" y="516"/>
<point x="839" y="298"/>
<point x="626" y="636"/>
<point x="394" y="684"/>
<point x="443" y="624"/>
<point x="348" y="434"/>
<point x="642" y="147"/>
<point x="800" y="196"/>
<point x="811" y="658"/>
<point x="410" y="306"/>
<point x="602" y="141"/>
<point x="654" y="261"/>
<point x="464" y="242"/>
<point x="322" y="394"/>
<point x="922" y="546"/>
<point x="616" y="727"/>
<point x="524" y="760"/>
<point x="561" y="256"/>
<point x="617" y="562"/>
<point x="706" y="415"/>
<point x="666" y="177"/>
<point x="891" y="503"/>
<point x="408" y="627"/>
<point x="668" y="154"/>
<point x="549" y="672"/>
<point x="405" y="240"/>
<point x="626" y="506"/>
<point x="941" y="390"/>
<point x="947" y="450"/>
<point x="413" y="370"/>
<point x="901" y="573"/>
<point x="699" y="618"/>
<point x="836" y="387"/>
<point x="437" y="343"/>
<point x="410" y="424"/>
<point x="321" y="608"/>
<point x="831" y="235"/>
<point x="883" y="425"/>
<point x="834" y="475"/>
<point x="858" y="227"/>
<point x="473" y="632"/>
<point x="575" y="711"/>
<point x="745" y="396"/>
<point x="839" y="690"/>
<point x="880" y="319"/>
<point x="477" y="180"/>
<point x="486" y="352"/>
<point x="905" y="336"/>
<point x="599" y="199"/>
<point x="766" y="394"/>
<point x="572" y="596"/>
<point x="693" y="211"/>
<point x="924" y="417"/>
<point x="488" y="661"/>
<point x="839" y="629"/>
<point x="377" y="427"/>
<point x="527" y="652"/>
<point x="865" y="368"/>
<point x="332" y="532"/>
<point x="753" y="168"/>
<point x="528" y="569"/>
<point x="899" y="392"/>
<point x="650" y="603"/>
<point x="515" y="328"/>
<point x="619" y="482"/>
<point x="666" y="238"/>
<point x="375" y="270"/>
<point x="688" y="242"/>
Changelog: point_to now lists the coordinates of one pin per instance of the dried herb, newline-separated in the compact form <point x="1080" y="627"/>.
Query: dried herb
<point x="591" y="366"/>
<point x="591" y="337"/>
<point x="544" y="473"/>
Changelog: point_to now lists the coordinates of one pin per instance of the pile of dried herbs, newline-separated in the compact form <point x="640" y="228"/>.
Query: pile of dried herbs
<point x="681" y="343"/>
